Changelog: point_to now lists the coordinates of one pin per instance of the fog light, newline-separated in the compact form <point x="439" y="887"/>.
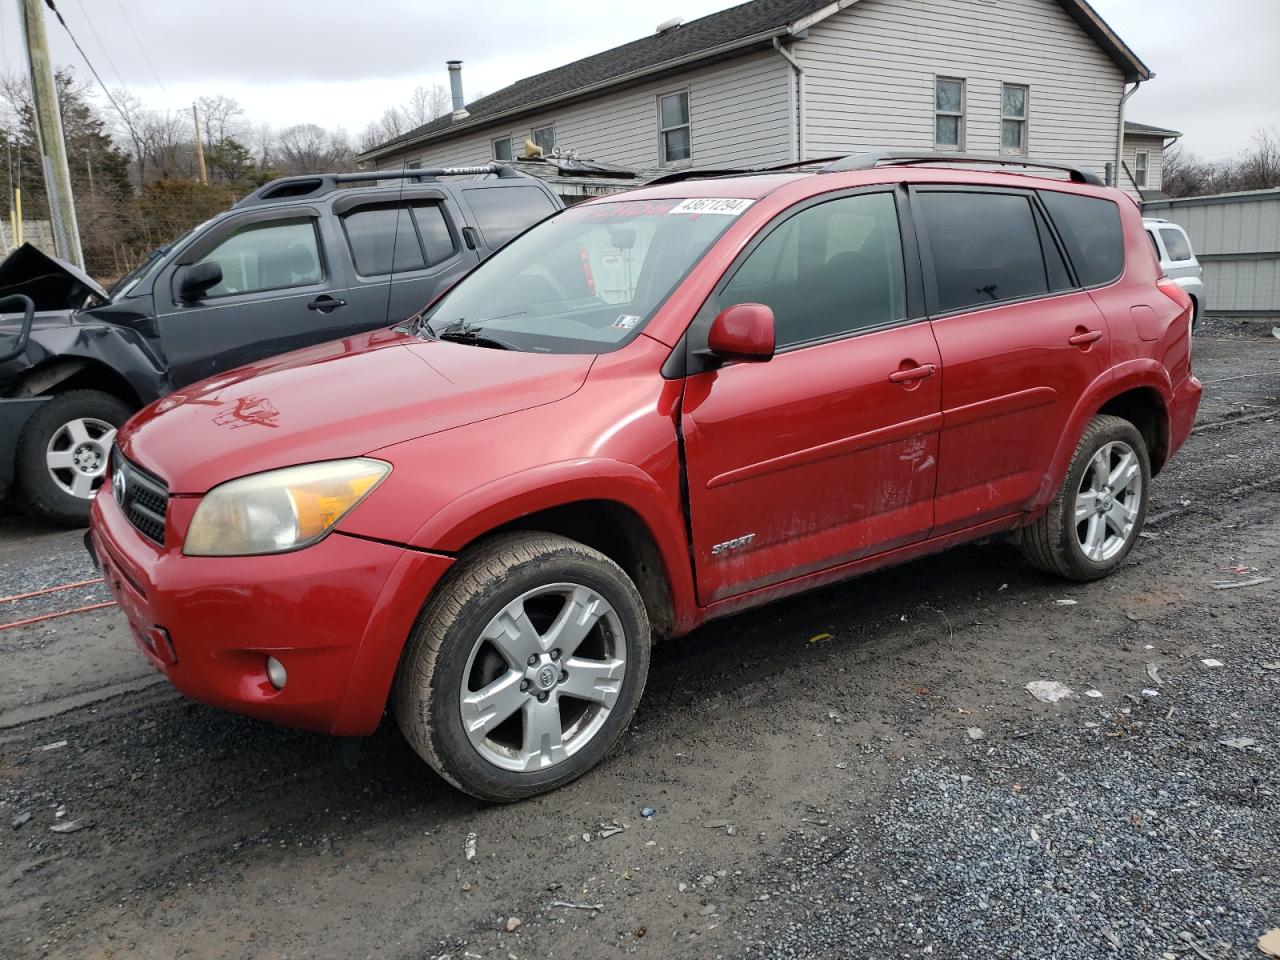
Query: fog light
<point x="276" y="673"/>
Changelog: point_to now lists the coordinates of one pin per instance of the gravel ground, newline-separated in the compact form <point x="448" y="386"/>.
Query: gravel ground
<point x="818" y="791"/>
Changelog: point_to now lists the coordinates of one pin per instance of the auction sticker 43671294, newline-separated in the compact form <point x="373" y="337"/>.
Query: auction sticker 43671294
<point x="726" y="206"/>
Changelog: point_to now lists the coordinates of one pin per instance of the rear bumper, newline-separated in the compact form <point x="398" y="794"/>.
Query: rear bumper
<point x="1182" y="412"/>
<point x="335" y="614"/>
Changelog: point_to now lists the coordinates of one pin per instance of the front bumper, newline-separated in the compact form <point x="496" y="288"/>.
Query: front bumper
<point x="336" y="614"/>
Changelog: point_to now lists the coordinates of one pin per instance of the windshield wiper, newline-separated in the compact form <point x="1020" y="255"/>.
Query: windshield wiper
<point x="460" y="331"/>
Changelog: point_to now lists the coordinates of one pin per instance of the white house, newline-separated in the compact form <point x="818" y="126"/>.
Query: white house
<point x="773" y="81"/>
<point x="1143" y="167"/>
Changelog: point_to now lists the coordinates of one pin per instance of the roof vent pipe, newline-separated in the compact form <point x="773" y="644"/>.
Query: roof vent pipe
<point x="455" y="87"/>
<point x="668" y="25"/>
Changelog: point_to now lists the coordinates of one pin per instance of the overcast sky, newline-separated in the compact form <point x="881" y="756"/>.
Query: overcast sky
<point x="341" y="64"/>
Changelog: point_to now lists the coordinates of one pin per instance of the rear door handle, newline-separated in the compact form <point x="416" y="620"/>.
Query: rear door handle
<point x="1084" y="339"/>
<point x="325" y="302"/>
<point x="913" y="373"/>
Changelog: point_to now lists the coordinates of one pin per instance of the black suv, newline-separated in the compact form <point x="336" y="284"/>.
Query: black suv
<point x="299" y="261"/>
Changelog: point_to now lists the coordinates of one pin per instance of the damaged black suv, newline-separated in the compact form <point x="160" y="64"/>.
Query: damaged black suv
<point x="299" y="261"/>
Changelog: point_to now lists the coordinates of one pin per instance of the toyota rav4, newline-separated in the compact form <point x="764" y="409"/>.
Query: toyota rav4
<point x="647" y="412"/>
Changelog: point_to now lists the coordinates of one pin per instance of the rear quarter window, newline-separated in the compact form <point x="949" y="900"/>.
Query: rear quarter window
<point x="502" y="213"/>
<point x="1090" y="228"/>
<point x="1175" y="241"/>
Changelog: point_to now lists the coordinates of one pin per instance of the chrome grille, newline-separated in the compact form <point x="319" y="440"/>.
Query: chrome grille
<point x="142" y="497"/>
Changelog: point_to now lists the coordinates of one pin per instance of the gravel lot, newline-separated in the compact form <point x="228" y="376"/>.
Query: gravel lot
<point x="891" y="790"/>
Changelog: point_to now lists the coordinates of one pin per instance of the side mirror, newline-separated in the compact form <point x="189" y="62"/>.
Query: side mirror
<point x="742" y="332"/>
<point x="197" y="280"/>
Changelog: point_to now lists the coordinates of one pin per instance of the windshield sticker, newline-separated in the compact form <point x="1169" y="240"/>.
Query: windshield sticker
<point x="626" y="321"/>
<point x="726" y="206"/>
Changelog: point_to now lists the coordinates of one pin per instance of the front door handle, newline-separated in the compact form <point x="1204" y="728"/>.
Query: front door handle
<point x="913" y="373"/>
<point x="1084" y="338"/>
<point x="324" y="303"/>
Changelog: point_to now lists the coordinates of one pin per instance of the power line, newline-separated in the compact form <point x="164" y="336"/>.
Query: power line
<point x="141" y="47"/>
<point x="84" y="56"/>
<point x="105" y="52"/>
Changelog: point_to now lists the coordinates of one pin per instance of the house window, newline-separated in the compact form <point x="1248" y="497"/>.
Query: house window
<point x="1013" y="118"/>
<point x="502" y="148"/>
<point x="673" y="127"/>
<point x="1141" y="161"/>
<point x="413" y="165"/>
<point x="948" y="119"/>
<point x="545" y="137"/>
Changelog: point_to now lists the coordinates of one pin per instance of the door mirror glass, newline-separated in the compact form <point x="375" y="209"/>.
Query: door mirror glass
<point x="198" y="278"/>
<point x="742" y="332"/>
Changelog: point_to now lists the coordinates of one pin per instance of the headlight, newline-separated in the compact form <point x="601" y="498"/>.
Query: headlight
<point x="280" y="510"/>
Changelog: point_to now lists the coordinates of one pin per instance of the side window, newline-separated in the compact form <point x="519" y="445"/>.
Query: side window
<point x="985" y="248"/>
<point x="545" y="137"/>
<point x="502" y="148"/>
<point x="437" y="241"/>
<point x="831" y="269"/>
<point x="374" y="233"/>
<point x="1090" y="228"/>
<point x="948" y="113"/>
<point x="504" y="212"/>
<point x="274" y="255"/>
<point x="1175" y="241"/>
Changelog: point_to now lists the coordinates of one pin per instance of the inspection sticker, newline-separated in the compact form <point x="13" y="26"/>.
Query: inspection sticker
<point x="726" y="206"/>
<point x="626" y="321"/>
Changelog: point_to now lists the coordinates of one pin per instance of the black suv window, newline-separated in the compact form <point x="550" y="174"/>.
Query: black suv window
<point x="832" y="268"/>
<point x="1090" y="228"/>
<point x="505" y="212"/>
<point x="273" y="255"/>
<point x="419" y="241"/>
<point x="985" y="248"/>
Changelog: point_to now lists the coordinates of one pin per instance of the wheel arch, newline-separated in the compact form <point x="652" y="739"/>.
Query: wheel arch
<point x="1139" y="391"/>
<point x="63" y="374"/>
<point x="611" y="506"/>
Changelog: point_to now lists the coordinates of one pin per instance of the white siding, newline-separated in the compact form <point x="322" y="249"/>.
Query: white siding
<point x="870" y="74"/>
<point x="1155" y="160"/>
<point x="740" y="111"/>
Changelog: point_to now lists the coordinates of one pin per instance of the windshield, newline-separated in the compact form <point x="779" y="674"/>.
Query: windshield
<point x="585" y="281"/>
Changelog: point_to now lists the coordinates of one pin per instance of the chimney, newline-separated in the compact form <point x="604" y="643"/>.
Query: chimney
<point x="455" y="87"/>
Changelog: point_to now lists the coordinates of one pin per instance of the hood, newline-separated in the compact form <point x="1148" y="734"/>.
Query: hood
<point x="340" y="399"/>
<point x="52" y="284"/>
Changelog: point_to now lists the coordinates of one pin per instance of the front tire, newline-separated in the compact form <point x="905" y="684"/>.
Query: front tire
<point x="1099" y="510"/>
<point x="63" y="452"/>
<point x="525" y="667"/>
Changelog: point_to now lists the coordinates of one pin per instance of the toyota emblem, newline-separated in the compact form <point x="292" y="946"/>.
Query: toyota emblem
<point x="119" y="485"/>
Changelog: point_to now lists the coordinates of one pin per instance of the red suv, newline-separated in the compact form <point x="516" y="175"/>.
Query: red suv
<point x="649" y="411"/>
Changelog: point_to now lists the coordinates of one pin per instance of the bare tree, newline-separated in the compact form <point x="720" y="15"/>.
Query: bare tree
<point x="388" y="126"/>
<point x="426" y="104"/>
<point x="1259" y="168"/>
<point x="309" y="148"/>
<point x="264" y="145"/>
<point x="221" y="118"/>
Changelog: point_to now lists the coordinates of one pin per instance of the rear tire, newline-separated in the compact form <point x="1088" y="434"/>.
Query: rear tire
<point x="1094" y="520"/>
<point x="524" y="668"/>
<point x="62" y="454"/>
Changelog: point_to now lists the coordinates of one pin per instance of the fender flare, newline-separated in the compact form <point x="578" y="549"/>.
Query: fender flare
<point x="466" y="518"/>
<point x="1129" y="375"/>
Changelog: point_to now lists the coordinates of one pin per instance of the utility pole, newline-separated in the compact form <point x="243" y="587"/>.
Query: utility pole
<point x="204" y="174"/>
<point x="53" y="149"/>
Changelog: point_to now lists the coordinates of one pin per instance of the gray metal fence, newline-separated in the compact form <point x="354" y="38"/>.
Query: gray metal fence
<point x="1236" y="237"/>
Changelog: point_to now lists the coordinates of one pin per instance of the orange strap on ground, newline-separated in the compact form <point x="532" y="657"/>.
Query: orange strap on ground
<point x="47" y="590"/>
<point x="59" y="613"/>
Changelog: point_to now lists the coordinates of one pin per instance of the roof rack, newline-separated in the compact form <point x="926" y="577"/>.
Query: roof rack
<point x="869" y="161"/>
<point x="320" y="184"/>
<point x="694" y="174"/>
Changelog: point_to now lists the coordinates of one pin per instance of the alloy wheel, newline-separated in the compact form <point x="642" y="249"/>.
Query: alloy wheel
<point x="1108" y="501"/>
<point x="77" y="455"/>
<point x="543" y="677"/>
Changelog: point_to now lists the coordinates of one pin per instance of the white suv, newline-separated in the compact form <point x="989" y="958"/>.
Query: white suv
<point x="1178" y="260"/>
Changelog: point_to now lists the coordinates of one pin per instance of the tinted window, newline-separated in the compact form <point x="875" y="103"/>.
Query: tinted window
<point x="374" y="233"/>
<point x="1176" y="244"/>
<point x="267" y="256"/>
<point x="1090" y="227"/>
<point x="985" y="248"/>
<point x="434" y="232"/>
<point x="832" y="268"/>
<point x="504" y="212"/>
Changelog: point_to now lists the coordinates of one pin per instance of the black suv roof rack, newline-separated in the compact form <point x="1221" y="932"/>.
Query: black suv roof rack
<point x="868" y="161"/>
<point x="320" y="184"/>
